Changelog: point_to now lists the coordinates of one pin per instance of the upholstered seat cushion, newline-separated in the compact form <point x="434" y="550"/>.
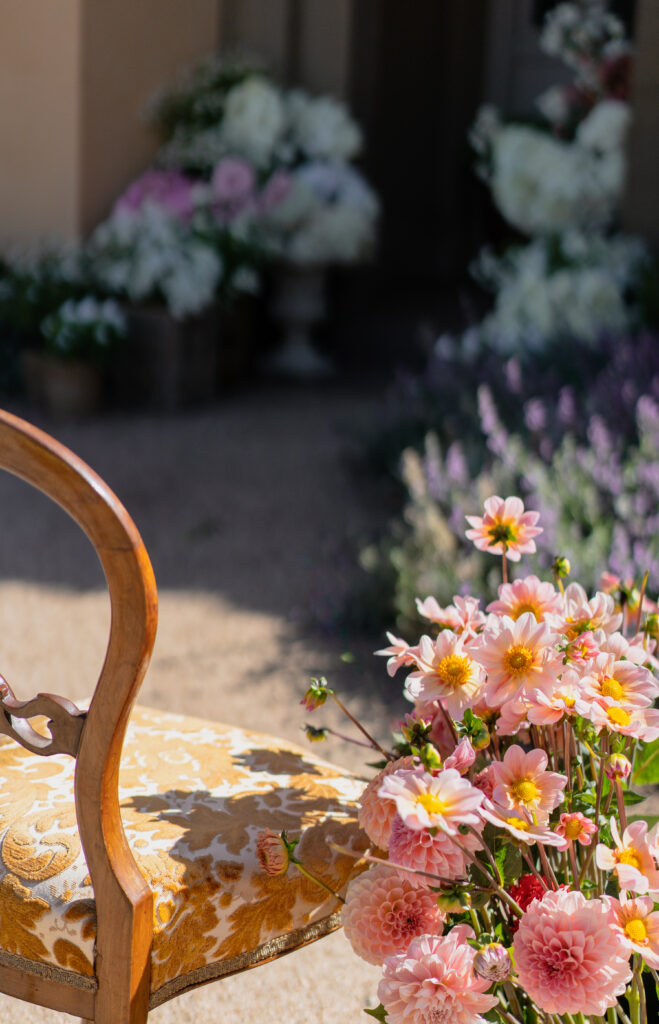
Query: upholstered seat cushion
<point x="194" y="797"/>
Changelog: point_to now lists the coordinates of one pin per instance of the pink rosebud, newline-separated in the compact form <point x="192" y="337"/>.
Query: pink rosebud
<point x="493" y="962"/>
<point x="272" y="853"/>
<point x="617" y="766"/>
<point x="462" y="757"/>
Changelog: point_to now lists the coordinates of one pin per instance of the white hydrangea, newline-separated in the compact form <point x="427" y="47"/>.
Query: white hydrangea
<point x="605" y="128"/>
<point x="321" y="127"/>
<point x="539" y="301"/>
<point x="254" y="120"/>
<point x="329" y="216"/>
<point x="543" y="185"/>
<point x="148" y="253"/>
<point x="581" y="34"/>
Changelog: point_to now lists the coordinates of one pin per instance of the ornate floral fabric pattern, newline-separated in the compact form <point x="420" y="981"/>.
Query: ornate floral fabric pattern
<point x="194" y="797"/>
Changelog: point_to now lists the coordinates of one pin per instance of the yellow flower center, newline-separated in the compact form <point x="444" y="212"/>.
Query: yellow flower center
<point x="519" y="824"/>
<point x="568" y="701"/>
<point x="573" y="829"/>
<point x="619" y="716"/>
<point x="431" y="803"/>
<point x="629" y="856"/>
<point x="501" y="533"/>
<point x="612" y="688"/>
<point x="526" y="606"/>
<point x="636" y="930"/>
<point x="577" y="628"/>
<point x="518" y="659"/>
<point x="525" y="791"/>
<point x="454" y="670"/>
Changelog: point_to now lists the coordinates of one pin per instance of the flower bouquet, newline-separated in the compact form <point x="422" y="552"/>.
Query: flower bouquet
<point x="506" y="879"/>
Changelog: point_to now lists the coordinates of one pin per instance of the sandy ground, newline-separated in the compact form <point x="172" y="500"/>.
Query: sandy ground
<point x="253" y="522"/>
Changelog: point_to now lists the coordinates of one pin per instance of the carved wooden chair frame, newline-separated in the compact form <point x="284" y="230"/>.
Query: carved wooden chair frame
<point x="124" y="901"/>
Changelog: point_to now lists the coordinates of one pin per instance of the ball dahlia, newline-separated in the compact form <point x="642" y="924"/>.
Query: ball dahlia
<point x="568" y="956"/>
<point x="376" y="814"/>
<point x="383" y="913"/>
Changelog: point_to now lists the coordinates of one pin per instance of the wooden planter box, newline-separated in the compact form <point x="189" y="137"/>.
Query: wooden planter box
<point x="166" y="364"/>
<point x="66" y="389"/>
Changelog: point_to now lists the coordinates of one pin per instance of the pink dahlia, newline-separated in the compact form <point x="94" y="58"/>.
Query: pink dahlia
<point x="442" y="801"/>
<point x="375" y="814"/>
<point x="383" y="913"/>
<point x="521" y="781"/>
<point x="519" y="656"/>
<point x="576" y="827"/>
<point x="638" y="922"/>
<point x="437" y="855"/>
<point x="582" y="615"/>
<point x="446" y="671"/>
<point x="505" y="528"/>
<point x="527" y="595"/>
<point x="568" y="957"/>
<point x="463" y="616"/>
<point x="398" y="653"/>
<point x="632" y="858"/>
<point x="434" y="982"/>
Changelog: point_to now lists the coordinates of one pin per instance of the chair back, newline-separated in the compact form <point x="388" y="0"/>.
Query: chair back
<point x="95" y="738"/>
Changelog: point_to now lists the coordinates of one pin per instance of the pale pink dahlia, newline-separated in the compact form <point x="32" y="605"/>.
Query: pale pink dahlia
<point x="434" y="982"/>
<point x="442" y="801"/>
<point x="632" y="858"/>
<point x="568" y="957"/>
<point x="376" y="814"/>
<point x="383" y="913"/>
<point x="463" y="616"/>
<point x="582" y="615"/>
<point x="504" y="528"/>
<point x="519" y="656"/>
<point x="445" y="671"/>
<point x="398" y="653"/>
<point x="527" y="595"/>
<point x="521" y="781"/>
<point x="438" y="854"/>
<point x="639" y="923"/>
<point x="576" y="827"/>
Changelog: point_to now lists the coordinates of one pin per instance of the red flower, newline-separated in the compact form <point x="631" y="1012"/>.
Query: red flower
<point x="528" y="888"/>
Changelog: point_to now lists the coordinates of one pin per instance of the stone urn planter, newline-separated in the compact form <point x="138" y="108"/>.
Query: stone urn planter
<point x="299" y="306"/>
<point x="64" y="388"/>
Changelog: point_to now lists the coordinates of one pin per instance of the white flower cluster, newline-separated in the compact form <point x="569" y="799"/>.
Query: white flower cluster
<point x="83" y="325"/>
<point x="583" y="34"/>
<point x="543" y="295"/>
<point x="150" y="254"/>
<point x="257" y="120"/>
<point x="329" y="215"/>
<point x="544" y="185"/>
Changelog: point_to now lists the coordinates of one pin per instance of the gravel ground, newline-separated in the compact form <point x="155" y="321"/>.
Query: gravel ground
<point x="252" y="521"/>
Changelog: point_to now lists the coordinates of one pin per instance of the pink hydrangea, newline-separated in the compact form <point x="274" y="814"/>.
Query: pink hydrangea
<point x="375" y="814"/>
<point x="438" y="854"/>
<point x="169" y="189"/>
<point x="434" y="982"/>
<point x="505" y="527"/>
<point x="568" y="957"/>
<point x="383" y="913"/>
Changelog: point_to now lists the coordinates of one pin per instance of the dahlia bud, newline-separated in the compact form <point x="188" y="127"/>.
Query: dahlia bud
<point x="315" y="735"/>
<point x="272" y="852"/>
<point x="492" y="962"/>
<point x="462" y="757"/>
<point x="316" y="695"/>
<point x="561" y="567"/>
<point x="617" y="766"/>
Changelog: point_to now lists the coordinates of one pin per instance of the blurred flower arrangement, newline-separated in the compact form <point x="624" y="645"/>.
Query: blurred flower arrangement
<point x="87" y="329"/>
<point x="277" y="163"/>
<point x="505" y="880"/>
<point x="560" y="180"/>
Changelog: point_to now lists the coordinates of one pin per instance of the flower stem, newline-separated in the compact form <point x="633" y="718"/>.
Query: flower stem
<point x="314" y="878"/>
<point x="504" y="565"/>
<point x="620" y="799"/>
<point x="573" y="862"/>
<point x="373" y="743"/>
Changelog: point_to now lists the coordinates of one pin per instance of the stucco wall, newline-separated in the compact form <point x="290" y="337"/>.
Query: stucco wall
<point x="39" y="118"/>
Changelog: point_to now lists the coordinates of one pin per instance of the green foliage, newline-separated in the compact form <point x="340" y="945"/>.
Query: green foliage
<point x="379" y="1013"/>
<point x="646" y="765"/>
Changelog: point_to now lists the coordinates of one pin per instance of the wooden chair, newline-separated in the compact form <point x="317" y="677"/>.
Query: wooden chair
<point x="128" y="869"/>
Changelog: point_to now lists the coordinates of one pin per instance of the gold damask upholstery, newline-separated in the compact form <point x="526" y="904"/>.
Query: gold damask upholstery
<point x="194" y="795"/>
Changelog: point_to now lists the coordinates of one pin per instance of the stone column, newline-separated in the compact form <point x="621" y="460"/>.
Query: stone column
<point x="74" y="78"/>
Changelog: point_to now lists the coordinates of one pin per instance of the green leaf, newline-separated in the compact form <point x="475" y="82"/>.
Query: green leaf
<point x="633" y="798"/>
<point x="379" y="1013"/>
<point x="509" y="863"/>
<point x="646" y="770"/>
